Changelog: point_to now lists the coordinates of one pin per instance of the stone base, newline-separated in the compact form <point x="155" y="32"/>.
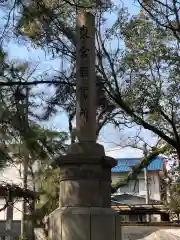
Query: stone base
<point x="90" y="149"/>
<point x="85" y="176"/>
<point x="78" y="223"/>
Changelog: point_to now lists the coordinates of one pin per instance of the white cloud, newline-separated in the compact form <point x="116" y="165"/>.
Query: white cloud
<point x="127" y="152"/>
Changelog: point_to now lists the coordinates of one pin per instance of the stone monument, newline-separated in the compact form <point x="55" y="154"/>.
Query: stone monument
<point x="84" y="211"/>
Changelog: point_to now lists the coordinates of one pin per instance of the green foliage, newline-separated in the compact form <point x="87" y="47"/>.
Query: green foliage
<point x="46" y="178"/>
<point x="23" y="139"/>
<point x="151" y="60"/>
<point x="51" y="26"/>
<point x="47" y="182"/>
<point x="138" y="83"/>
<point x="21" y="238"/>
<point x="2" y="55"/>
<point x="174" y="198"/>
<point x="48" y="185"/>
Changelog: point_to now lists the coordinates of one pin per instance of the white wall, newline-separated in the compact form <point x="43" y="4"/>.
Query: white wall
<point x="17" y="210"/>
<point x="154" y="187"/>
<point x="11" y="175"/>
<point x="142" y="187"/>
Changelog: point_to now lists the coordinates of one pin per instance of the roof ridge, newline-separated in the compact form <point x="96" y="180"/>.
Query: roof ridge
<point x="125" y="165"/>
<point x="160" y="157"/>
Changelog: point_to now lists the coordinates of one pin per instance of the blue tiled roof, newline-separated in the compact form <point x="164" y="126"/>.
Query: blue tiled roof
<point x="125" y="164"/>
<point x="121" y="169"/>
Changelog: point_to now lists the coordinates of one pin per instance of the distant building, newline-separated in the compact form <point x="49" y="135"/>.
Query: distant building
<point x="12" y="175"/>
<point x="135" y="192"/>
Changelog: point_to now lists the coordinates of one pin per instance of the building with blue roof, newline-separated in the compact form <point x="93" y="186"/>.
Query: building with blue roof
<point x="135" y="192"/>
<point x="126" y="164"/>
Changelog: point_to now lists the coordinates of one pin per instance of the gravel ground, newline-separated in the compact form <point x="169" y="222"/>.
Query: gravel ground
<point x="150" y="233"/>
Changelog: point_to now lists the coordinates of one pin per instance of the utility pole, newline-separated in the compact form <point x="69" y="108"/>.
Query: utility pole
<point x="148" y="217"/>
<point x="24" y="107"/>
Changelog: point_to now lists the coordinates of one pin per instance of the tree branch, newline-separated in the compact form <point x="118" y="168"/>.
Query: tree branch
<point x="172" y="124"/>
<point x="35" y="83"/>
<point x="138" y="168"/>
<point x="16" y="191"/>
<point x="139" y="120"/>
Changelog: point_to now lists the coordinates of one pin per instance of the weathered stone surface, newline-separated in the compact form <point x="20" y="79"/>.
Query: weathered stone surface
<point x="80" y="193"/>
<point x="84" y="224"/>
<point x="85" y="183"/>
<point x="85" y="78"/>
<point x="91" y="149"/>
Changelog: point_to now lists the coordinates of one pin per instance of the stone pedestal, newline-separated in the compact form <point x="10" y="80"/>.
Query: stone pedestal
<point x="85" y="178"/>
<point x="79" y="223"/>
<point x="84" y="211"/>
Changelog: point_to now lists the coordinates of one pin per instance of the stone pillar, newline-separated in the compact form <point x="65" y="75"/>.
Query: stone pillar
<point x="85" y="78"/>
<point x="84" y="211"/>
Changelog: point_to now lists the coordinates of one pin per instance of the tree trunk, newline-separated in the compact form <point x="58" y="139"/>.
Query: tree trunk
<point x="178" y="153"/>
<point x="24" y="110"/>
<point x="148" y="216"/>
<point x="9" y="219"/>
<point x="33" y="201"/>
<point x="178" y="217"/>
<point x="24" y="208"/>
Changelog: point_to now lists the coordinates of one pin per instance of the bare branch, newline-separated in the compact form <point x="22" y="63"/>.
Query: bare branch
<point x="35" y="83"/>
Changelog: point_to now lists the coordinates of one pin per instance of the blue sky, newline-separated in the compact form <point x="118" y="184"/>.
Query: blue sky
<point x="110" y="137"/>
